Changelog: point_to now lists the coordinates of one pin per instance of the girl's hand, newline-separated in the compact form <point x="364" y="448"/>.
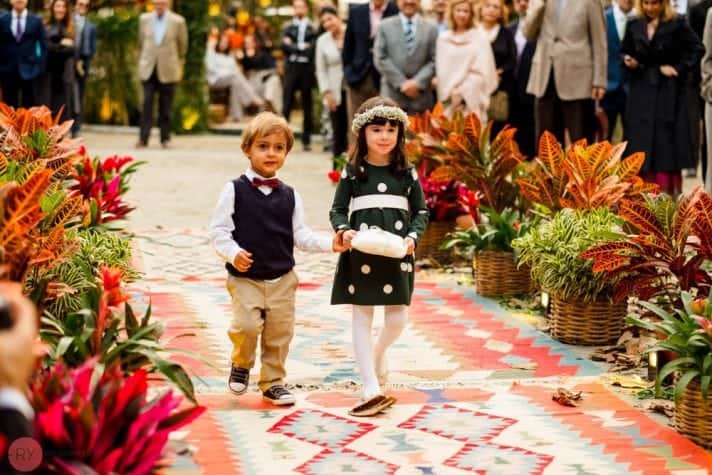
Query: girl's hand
<point x="668" y="71"/>
<point x="410" y="243"/>
<point x="338" y="242"/>
<point x="243" y="261"/>
<point x="347" y="237"/>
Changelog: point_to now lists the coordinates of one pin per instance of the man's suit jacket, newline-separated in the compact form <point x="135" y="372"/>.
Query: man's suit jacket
<point x="292" y="53"/>
<point x="28" y="56"/>
<point x="392" y="60"/>
<point x="574" y="44"/>
<point x="357" y="52"/>
<point x="524" y="66"/>
<point x="13" y="425"/>
<point x="87" y="43"/>
<point x="697" y="16"/>
<point x="616" y="73"/>
<point x="166" y="58"/>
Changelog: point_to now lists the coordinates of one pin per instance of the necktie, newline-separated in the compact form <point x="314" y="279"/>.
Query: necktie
<point x="409" y="35"/>
<point x="18" y="28"/>
<point x="271" y="182"/>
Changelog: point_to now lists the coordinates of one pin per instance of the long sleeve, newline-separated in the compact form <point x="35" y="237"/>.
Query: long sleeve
<point x="288" y="47"/>
<point x="418" y="210"/>
<point x="182" y="39"/>
<point x="222" y="225"/>
<point x="322" y="67"/>
<point x="689" y="47"/>
<point x="599" y="41"/>
<point x="339" y="213"/>
<point x="383" y="62"/>
<point x="533" y="19"/>
<point x="347" y="51"/>
<point x="706" y="84"/>
<point x="304" y="237"/>
<point x="92" y="40"/>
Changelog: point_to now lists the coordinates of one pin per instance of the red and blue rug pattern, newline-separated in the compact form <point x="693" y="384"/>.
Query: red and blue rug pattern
<point x="473" y="384"/>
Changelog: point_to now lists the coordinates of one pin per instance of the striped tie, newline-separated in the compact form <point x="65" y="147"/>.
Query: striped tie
<point x="409" y="35"/>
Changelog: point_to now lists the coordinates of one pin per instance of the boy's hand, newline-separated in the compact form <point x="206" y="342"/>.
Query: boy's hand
<point x="410" y="243"/>
<point x="243" y="261"/>
<point x="18" y="343"/>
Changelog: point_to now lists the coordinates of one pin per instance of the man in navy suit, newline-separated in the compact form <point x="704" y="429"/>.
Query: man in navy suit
<point x="522" y="116"/>
<point x="23" y="49"/>
<point x="85" y="40"/>
<point x="362" y="78"/>
<point x="614" y="101"/>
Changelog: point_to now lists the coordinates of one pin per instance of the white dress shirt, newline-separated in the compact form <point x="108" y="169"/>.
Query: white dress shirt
<point x="520" y="39"/>
<point x="413" y="20"/>
<point x="23" y="21"/>
<point x="14" y="399"/>
<point x="222" y="224"/>
<point x="621" y="19"/>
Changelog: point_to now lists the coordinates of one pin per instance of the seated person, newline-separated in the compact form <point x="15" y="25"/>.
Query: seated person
<point x="261" y="71"/>
<point x="223" y="72"/>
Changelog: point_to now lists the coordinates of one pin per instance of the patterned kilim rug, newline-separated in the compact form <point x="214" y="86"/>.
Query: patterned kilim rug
<point x="473" y="384"/>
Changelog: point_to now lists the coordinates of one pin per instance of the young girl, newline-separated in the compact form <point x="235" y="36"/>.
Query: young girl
<point x="386" y="194"/>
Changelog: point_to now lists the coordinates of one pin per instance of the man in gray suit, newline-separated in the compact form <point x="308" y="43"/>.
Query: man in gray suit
<point x="85" y="42"/>
<point x="163" y="40"/>
<point x="404" y="54"/>
<point x="569" y="69"/>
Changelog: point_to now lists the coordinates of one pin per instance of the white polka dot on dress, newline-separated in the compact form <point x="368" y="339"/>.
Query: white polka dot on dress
<point x="387" y="289"/>
<point x="410" y="267"/>
<point x="363" y="227"/>
<point x="382" y="187"/>
<point x="414" y="174"/>
<point x="343" y="173"/>
<point x="399" y="225"/>
<point x="404" y="266"/>
<point x="352" y="289"/>
<point x="365" y="269"/>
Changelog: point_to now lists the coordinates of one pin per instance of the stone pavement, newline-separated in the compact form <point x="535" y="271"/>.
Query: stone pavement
<point x="473" y="381"/>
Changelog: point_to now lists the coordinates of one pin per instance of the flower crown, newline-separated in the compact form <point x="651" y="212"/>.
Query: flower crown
<point x="384" y="112"/>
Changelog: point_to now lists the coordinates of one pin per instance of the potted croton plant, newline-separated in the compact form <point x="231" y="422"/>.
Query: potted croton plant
<point x="686" y="331"/>
<point x="489" y="244"/>
<point x="583" y="311"/>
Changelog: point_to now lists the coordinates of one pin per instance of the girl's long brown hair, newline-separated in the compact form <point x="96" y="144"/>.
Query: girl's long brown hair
<point x="357" y="156"/>
<point x="67" y="22"/>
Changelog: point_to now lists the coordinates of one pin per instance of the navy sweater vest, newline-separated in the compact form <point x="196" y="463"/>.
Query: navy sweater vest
<point x="263" y="227"/>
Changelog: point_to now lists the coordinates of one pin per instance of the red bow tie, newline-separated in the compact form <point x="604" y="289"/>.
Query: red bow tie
<point x="271" y="182"/>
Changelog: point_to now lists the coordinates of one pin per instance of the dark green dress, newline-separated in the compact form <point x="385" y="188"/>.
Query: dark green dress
<point x="394" y="204"/>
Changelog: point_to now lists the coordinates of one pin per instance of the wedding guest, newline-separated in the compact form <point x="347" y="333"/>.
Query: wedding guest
<point x="464" y="63"/>
<point x="59" y="87"/>
<point x="85" y="40"/>
<point x="260" y="68"/>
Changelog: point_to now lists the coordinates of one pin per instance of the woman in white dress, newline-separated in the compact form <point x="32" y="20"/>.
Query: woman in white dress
<point x="464" y="63"/>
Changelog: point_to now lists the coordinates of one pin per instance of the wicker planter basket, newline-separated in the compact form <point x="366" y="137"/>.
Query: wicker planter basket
<point x="591" y="323"/>
<point x="429" y="244"/>
<point x="692" y="418"/>
<point x="496" y="275"/>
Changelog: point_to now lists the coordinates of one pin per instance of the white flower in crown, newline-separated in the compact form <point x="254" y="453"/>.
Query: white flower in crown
<point x="384" y="112"/>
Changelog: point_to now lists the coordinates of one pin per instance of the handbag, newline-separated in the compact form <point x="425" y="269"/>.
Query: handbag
<point x="498" y="109"/>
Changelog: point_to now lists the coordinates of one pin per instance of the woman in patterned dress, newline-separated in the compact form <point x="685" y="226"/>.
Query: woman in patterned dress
<point x="380" y="191"/>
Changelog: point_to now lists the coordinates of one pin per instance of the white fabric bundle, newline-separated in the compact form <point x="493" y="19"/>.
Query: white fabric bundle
<point x="380" y="243"/>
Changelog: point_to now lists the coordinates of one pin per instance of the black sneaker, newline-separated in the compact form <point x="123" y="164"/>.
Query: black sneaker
<point x="239" y="379"/>
<point x="279" y="396"/>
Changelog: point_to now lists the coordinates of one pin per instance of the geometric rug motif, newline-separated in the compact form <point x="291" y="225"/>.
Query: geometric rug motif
<point x="345" y="461"/>
<point x="321" y="428"/>
<point x="459" y="424"/>
<point x="499" y="460"/>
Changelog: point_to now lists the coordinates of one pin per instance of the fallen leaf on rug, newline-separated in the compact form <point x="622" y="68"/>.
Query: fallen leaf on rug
<point x="660" y="406"/>
<point x="527" y="366"/>
<point x="566" y="397"/>
<point x="627" y="381"/>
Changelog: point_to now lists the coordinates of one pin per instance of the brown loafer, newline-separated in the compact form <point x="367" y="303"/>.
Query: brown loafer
<point x="370" y="407"/>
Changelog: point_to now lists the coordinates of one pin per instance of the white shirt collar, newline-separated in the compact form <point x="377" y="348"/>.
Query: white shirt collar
<point x="404" y="19"/>
<point x="23" y="15"/>
<point x="11" y="398"/>
<point x="250" y="173"/>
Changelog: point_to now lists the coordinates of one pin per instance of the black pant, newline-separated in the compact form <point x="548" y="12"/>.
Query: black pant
<point x="299" y="77"/>
<point x="77" y="116"/>
<point x="555" y="115"/>
<point x="13" y="85"/>
<point x="166" y="93"/>
<point x="614" y="103"/>
<point x="339" y="124"/>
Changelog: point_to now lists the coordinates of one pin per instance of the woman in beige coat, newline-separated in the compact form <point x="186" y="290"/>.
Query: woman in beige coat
<point x="706" y="88"/>
<point x="464" y="63"/>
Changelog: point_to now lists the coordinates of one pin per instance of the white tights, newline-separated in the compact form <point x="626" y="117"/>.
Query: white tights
<point x="371" y="362"/>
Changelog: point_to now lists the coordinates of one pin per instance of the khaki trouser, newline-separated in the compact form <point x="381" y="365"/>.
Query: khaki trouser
<point x="262" y="308"/>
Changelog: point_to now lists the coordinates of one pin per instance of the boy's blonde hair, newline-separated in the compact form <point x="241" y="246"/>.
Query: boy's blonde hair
<point x="266" y="123"/>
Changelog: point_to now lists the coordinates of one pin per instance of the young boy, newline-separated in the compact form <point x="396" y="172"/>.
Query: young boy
<point x="257" y="222"/>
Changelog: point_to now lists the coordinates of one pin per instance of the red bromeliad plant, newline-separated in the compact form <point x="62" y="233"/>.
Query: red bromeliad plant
<point x="104" y="422"/>
<point x="460" y="147"/>
<point x="448" y="199"/>
<point x="665" y="250"/>
<point x="103" y="183"/>
<point x="584" y="176"/>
